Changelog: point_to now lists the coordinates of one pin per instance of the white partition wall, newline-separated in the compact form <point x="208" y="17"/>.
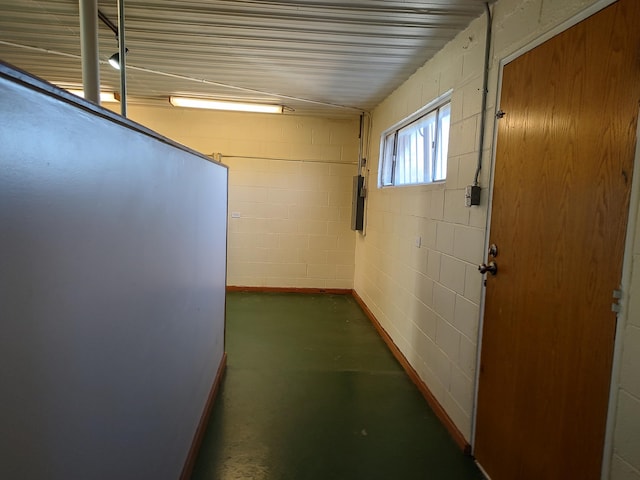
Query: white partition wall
<point x="112" y="279"/>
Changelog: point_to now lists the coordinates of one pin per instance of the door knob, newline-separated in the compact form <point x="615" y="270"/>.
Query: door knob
<point x="492" y="268"/>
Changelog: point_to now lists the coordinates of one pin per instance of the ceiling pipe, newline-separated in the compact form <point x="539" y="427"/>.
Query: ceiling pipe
<point x="485" y="90"/>
<point x="89" y="49"/>
<point x="108" y="23"/>
<point x="123" y="60"/>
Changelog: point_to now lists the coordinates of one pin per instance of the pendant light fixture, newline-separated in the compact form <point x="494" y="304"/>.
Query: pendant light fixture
<point x="114" y="60"/>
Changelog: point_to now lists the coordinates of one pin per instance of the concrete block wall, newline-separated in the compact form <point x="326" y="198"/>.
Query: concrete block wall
<point x="626" y="443"/>
<point x="428" y="298"/>
<point x="290" y="181"/>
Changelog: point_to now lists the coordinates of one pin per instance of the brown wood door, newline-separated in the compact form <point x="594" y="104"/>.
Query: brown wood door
<point x="564" y="160"/>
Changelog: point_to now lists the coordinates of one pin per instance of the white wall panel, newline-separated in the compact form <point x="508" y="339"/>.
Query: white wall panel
<point x="112" y="285"/>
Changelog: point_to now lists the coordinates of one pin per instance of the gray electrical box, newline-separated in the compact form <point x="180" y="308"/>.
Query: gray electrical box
<point x="472" y="195"/>
<point x="357" y="203"/>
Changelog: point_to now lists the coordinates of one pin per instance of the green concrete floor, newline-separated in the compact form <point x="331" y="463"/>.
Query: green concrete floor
<point x="312" y="392"/>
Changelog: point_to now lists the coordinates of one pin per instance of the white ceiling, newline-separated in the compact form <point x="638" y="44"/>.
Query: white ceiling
<point x="309" y="55"/>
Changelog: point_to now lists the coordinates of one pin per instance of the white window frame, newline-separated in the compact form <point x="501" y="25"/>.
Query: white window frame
<point x="389" y="167"/>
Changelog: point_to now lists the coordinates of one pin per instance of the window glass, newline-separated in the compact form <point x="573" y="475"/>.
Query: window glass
<point x="388" y="155"/>
<point x="416" y="151"/>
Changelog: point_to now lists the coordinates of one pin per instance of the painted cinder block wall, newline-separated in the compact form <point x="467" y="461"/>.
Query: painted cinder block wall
<point x="290" y="181"/>
<point x="428" y="298"/>
<point x="626" y="442"/>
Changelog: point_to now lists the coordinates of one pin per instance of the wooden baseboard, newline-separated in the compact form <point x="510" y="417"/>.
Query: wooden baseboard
<point x="335" y="291"/>
<point x="415" y="378"/>
<point x="187" y="470"/>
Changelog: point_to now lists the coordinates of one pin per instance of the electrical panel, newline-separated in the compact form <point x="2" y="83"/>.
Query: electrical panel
<point x="357" y="203"/>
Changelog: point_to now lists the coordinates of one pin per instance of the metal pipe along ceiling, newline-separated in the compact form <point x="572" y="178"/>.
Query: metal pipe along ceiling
<point x="89" y="50"/>
<point x="123" y="59"/>
<point x="485" y="82"/>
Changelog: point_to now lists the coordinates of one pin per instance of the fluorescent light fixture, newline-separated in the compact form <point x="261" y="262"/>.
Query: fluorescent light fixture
<point x="104" y="96"/>
<point x="220" y="105"/>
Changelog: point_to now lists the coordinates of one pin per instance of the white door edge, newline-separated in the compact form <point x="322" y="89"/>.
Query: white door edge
<point x="625" y="283"/>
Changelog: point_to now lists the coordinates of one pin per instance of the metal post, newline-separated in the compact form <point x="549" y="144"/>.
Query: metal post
<point x="89" y="49"/>
<point x="123" y="59"/>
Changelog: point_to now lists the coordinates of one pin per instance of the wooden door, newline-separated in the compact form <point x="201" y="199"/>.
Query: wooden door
<point x="564" y="160"/>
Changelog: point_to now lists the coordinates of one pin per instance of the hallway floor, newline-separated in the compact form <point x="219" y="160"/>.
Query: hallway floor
<point x="312" y="392"/>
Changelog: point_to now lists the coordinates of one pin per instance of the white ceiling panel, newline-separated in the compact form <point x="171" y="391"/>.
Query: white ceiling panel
<point x="314" y="57"/>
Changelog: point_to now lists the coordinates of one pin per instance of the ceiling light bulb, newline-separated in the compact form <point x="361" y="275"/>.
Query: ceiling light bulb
<point x="114" y="60"/>
<point x="223" y="105"/>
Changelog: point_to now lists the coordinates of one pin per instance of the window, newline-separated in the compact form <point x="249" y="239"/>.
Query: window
<point x="415" y="151"/>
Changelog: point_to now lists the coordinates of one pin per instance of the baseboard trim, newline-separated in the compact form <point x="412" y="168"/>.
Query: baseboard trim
<point x="415" y="378"/>
<point x="187" y="470"/>
<point x="335" y="291"/>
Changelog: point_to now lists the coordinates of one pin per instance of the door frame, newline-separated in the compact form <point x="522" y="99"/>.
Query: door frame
<point x="634" y="206"/>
